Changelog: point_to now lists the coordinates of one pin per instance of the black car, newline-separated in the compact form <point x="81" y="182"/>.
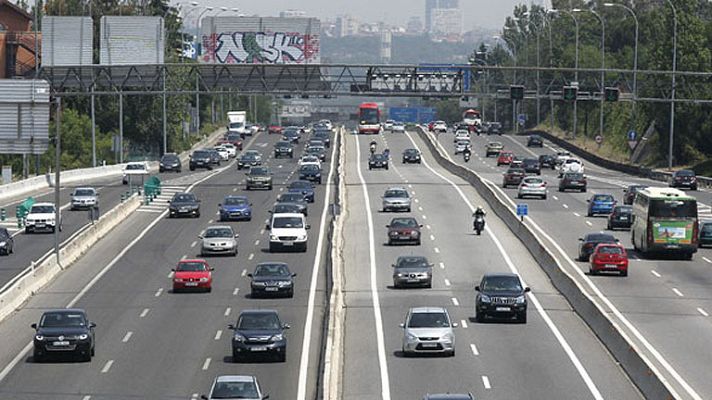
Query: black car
<point x="630" y="191"/>
<point x="705" y="233"/>
<point x="291" y="136"/>
<point x="621" y="217"/>
<point x="572" y="180"/>
<point x="684" y="178"/>
<point x="249" y="159"/>
<point x="304" y="187"/>
<point x="317" y="151"/>
<point x="501" y="295"/>
<point x="201" y="159"/>
<point x="535" y="141"/>
<point x="547" y="161"/>
<point x="324" y="136"/>
<point x="531" y="166"/>
<point x="590" y="241"/>
<point x="272" y="279"/>
<point x="169" y="162"/>
<point x="184" y="204"/>
<point x="310" y="172"/>
<point x="258" y="178"/>
<point x="7" y="244"/>
<point x="411" y="156"/>
<point x="494" y="128"/>
<point x="289" y="208"/>
<point x="283" y="149"/>
<point x="66" y="331"/>
<point x="294" y="198"/>
<point x="378" y="161"/>
<point x="259" y="332"/>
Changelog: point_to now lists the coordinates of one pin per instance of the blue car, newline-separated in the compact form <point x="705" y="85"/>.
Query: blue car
<point x="235" y="208"/>
<point x="304" y="187"/>
<point x="601" y="204"/>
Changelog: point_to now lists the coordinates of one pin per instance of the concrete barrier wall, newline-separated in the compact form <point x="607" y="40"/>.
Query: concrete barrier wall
<point x="624" y="351"/>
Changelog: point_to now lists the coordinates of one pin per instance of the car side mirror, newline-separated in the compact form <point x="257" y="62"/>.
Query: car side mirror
<point x="200" y="236"/>
<point x="294" y="274"/>
<point x="588" y="200"/>
<point x="286" y="326"/>
<point x="477" y="288"/>
<point x="388" y="226"/>
<point x="173" y="269"/>
<point x="168" y="201"/>
<point x="307" y="226"/>
<point x="617" y="240"/>
<point x="199" y="201"/>
<point x="33" y="326"/>
<point x="203" y="397"/>
<point x="250" y="204"/>
<point x="249" y="274"/>
<point x="527" y="289"/>
<point x="219" y="204"/>
<point x="231" y="327"/>
<point x="212" y="268"/>
<point x="237" y="235"/>
<point x="267" y="227"/>
<point x="421" y="225"/>
<point x="92" y="325"/>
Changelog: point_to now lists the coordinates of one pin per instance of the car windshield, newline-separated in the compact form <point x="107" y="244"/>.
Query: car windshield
<point x="42" y="209"/>
<point x="219" y="233"/>
<point x="184" y="198"/>
<point x="191" y="267"/>
<point x="603" y="198"/>
<point x="501" y="284"/>
<point x="282" y="144"/>
<point x="673" y="208"/>
<point x="378" y="157"/>
<point x="236" y="125"/>
<point x="610" y="250"/>
<point x="271" y="270"/>
<point x="411" y="151"/>
<point x="404" y="223"/>
<point x="412" y="262"/>
<point x="233" y="138"/>
<point x="706" y="227"/>
<point x="530" y="161"/>
<point x="310" y="168"/>
<point x="291" y="198"/>
<point x="169" y="158"/>
<point x="235" y="201"/>
<point x="135" y="166"/>
<point x="685" y="172"/>
<point x="429" y="320"/>
<point x="534" y="181"/>
<point x="396" y="193"/>
<point x="249" y="156"/>
<point x="599" y="238"/>
<point x="234" y="390"/>
<point x="300" y="185"/>
<point x="288" y="222"/>
<point x="495" y="144"/>
<point x="62" y="319"/>
<point x="201" y="154"/>
<point x="259" y="171"/>
<point x="84" y="192"/>
<point x="258" y="321"/>
<point x="463" y="142"/>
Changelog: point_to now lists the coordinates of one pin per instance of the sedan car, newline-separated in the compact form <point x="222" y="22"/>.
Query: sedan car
<point x="318" y="151"/>
<point x="600" y="204"/>
<point x="547" y="161"/>
<point x="227" y="387"/>
<point x="324" y="136"/>
<point x="84" y="198"/>
<point x="288" y="208"/>
<point x="531" y="166"/>
<point x="169" y="162"/>
<point x="235" y="208"/>
<point x="290" y="136"/>
<point x="535" y="141"/>
<point x="307" y="159"/>
<point x="411" y="156"/>
<point x="235" y="139"/>
<point x="184" y="205"/>
<point x="398" y="127"/>
<point x="501" y="295"/>
<point x="259" y="332"/>
<point x="219" y="240"/>
<point x="249" y="158"/>
<point x="294" y="198"/>
<point x="574" y="181"/>
<point x="493" y="149"/>
<point x="404" y="230"/>
<point x="505" y="158"/>
<point x="192" y="275"/>
<point x="412" y="271"/>
<point x="609" y="257"/>
<point x="272" y="279"/>
<point x="200" y="159"/>
<point x="684" y="178"/>
<point x="621" y="217"/>
<point x="311" y="173"/>
<point x="590" y="241"/>
<point x="65" y="331"/>
<point x="258" y="178"/>
<point x="274" y="129"/>
<point x="705" y="233"/>
<point x="283" y="149"/>
<point x="396" y="199"/>
<point x="304" y="187"/>
<point x="461" y="145"/>
<point x="494" y="128"/>
<point x="513" y="176"/>
<point x="629" y="193"/>
<point x="7" y="243"/>
<point x="532" y="186"/>
<point x="378" y="161"/>
<point x="428" y="330"/>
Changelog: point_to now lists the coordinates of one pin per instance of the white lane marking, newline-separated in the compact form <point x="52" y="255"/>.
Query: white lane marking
<point x="542" y="312"/>
<point x="257" y="242"/>
<point x="703" y="312"/>
<point x="565" y="206"/>
<point x="184" y="256"/>
<point x="425" y="216"/>
<point x="577" y="214"/>
<point x="144" y="313"/>
<point x="107" y="366"/>
<point x="707" y="260"/>
<point x="436" y="250"/>
<point x="416" y="200"/>
<point x="589" y="223"/>
<point x="236" y="291"/>
<point x="87" y="397"/>
<point x="555" y="198"/>
<point x="306" y="343"/>
<point x="206" y="364"/>
<point x="380" y="341"/>
<point x="654" y="272"/>
<point x="678" y="292"/>
<point x="228" y="311"/>
<point x="210" y="221"/>
<point x="432" y="237"/>
<point x="170" y="274"/>
<point x="194" y="243"/>
<point x="234" y="189"/>
<point x="158" y="292"/>
<point x="474" y="349"/>
<point x="420" y="208"/>
<point x="243" y="273"/>
<point x="252" y="255"/>
<point x="455" y="301"/>
<point x="463" y="323"/>
<point x="486" y="382"/>
<point x="412" y="192"/>
<point x="410" y="186"/>
<point x="262" y="231"/>
<point x="428" y="226"/>
<point x="406" y="181"/>
<point x="218" y="334"/>
<point x="447" y="282"/>
<point x="442" y="265"/>
<point x="127" y="337"/>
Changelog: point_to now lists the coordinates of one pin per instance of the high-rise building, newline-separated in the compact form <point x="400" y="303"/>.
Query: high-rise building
<point x="346" y="25"/>
<point x="431" y="5"/>
<point x="446" y="22"/>
<point x="293" y="14"/>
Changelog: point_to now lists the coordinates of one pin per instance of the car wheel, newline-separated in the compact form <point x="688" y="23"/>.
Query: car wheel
<point x="390" y="242"/>
<point x="583" y="190"/>
<point x="197" y="215"/>
<point x="624" y="273"/>
<point x="235" y="357"/>
<point x="417" y="243"/>
<point x="272" y="248"/>
<point x="86" y="357"/>
<point x="589" y="214"/>
<point x="191" y="168"/>
<point x="451" y="353"/>
<point x="543" y="197"/>
<point x="36" y="357"/>
<point x="591" y="271"/>
<point x="408" y="209"/>
<point x="290" y="294"/>
<point x="429" y="285"/>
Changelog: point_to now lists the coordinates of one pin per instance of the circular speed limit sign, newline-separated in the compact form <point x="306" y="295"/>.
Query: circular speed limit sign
<point x="599" y="139"/>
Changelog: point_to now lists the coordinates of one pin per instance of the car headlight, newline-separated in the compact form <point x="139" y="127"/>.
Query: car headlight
<point x="284" y="283"/>
<point x="448" y="337"/>
<point x="238" y="338"/>
<point x="83" y="336"/>
<point x="485" y="299"/>
<point x="258" y="284"/>
<point x="203" y="279"/>
<point x="177" y="280"/>
<point x="161" y="164"/>
<point x="39" y="338"/>
<point x="521" y="299"/>
<point x="302" y="237"/>
<point x="411" y="336"/>
<point x="277" y="338"/>
<point x="394" y="233"/>
<point x="273" y="237"/>
<point x="414" y="233"/>
<point x="3" y="244"/>
<point x="402" y="275"/>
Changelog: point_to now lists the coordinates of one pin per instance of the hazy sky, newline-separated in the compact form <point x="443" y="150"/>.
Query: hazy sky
<point x="483" y="13"/>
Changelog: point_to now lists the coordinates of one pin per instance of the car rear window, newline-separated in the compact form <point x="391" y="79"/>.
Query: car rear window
<point x="534" y="181"/>
<point x="403" y="223"/>
<point x="610" y="250"/>
<point x="603" y="197"/>
<point x="685" y="172"/>
<point x="191" y="267"/>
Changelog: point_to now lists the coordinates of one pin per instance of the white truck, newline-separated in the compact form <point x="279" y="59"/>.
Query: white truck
<point x="134" y="171"/>
<point x="236" y="122"/>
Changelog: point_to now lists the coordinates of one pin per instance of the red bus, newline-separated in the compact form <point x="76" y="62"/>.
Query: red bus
<point x="369" y="118"/>
<point x="471" y="118"/>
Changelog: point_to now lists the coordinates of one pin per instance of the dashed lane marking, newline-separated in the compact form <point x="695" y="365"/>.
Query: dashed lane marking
<point x="218" y="334"/>
<point x="486" y="382"/>
<point x="107" y="366"/>
<point x="455" y="301"/>
<point x="654" y="272"/>
<point x="703" y="312"/>
<point x="678" y="292"/>
<point x="474" y="349"/>
<point x="127" y="337"/>
<point x="228" y="311"/>
<point x="144" y="313"/>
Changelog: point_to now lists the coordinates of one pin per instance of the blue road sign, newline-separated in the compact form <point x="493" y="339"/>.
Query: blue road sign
<point x="632" y="135"/>
<point x="522" y="118"/>
<point x="522" y="210"/>
<point x="415" y="115"/>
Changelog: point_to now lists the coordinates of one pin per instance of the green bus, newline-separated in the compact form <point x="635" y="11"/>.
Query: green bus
<point x="664" y="222"/>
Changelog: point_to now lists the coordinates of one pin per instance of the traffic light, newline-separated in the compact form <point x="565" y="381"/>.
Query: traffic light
<point x="612" y="93"/>
<point x="570" y="93"/>
<point x="516" y="92"/>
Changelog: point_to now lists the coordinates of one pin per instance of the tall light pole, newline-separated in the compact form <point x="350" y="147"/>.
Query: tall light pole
<point x="538" y="100"/>
<point x="576" y="25"/>
<point x="222" y="10"/>
<point x="482" y="61"/>
<point x="197" y="78"/>
<point x="603" y="63"/>
<point x="674" y="70"/>
<point x="514" y="102"/>
<point x="635" y="56"/>
<point x="551" y="65"/>
<point x="497" y="37"/>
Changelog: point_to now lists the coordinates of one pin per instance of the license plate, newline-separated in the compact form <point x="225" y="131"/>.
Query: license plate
<point x="412" y="280"/>
<point x="271" y="289"/>
<point x="237" y="213"/>
<point x="403" y="237"/>
<point x="503" y="309"/>
<point x="183" y="210"/>
<point x="624" y="218"/>
<point x="61" y="343"/>
<point x="287" y="243"/>
<point x="191" y="284"/>
<point x="259" y="348"/>
<point x="40" y="225"/>
<point x="611" y="266"/>
<point x="430" y="345"/>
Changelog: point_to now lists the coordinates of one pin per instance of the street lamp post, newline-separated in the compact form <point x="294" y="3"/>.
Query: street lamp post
<point x="603" y="63"/>
<point x="197" y="79"/>
<point x="551" y="65"/>
<point x="497" y="37"/>
<point x="514" y="102"/>
<point x="576" y="25"/>
<point x="674" y="70"/>
<point x="635" y="56"/>
<point x="538" y="100"/>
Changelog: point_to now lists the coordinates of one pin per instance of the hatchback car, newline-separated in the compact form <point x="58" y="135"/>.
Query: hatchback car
<point x="531" y="166"/>
<point x="620" y="217"/>
<point x="218" y="240"/>
<point x="235" y="208"/>
<point x="169" y="162"/>
<point x="513" y="176"/>
<point x="590" y="241"/>
<point x="630" y="191"/>
<point x="259" y="332"/>
<point x="249" y="158"/>
<point x="235" y="139"/>
<point x="258" y="178"/>
<point x="573" y="181"/>
<point x="65" y="331"/>
<point x="532" y="186"/>
<point x="291" y="136"/>
<point x="535" y="141"/>
<point x="494" y="128"/>
<point x="404" y="230"/>
<point x="501" y="295"/>
<point x="84" y="198"/>
<point x="428" y="330"/>
<point x="411" y="156"/>
<point x="396" y="199"/>
<point x="294" y="198"/>
<point x="705" y="234"/>
<point x="184" y="205"/>
<point x="684" y="178"/>
<point x="227" y="387"/>
<point x="272" y="279"/>
<point x="7" y="243"/>
<point x="609" y="257"/>
<point x="547" y="161"/>
<point x="493" y="149"/>
<point x="505" y="158"/>
<point x="378" y="161"/>
<point x="412" y="271"/>
<point x="192" y="275"/>
<point x="318" y="151"/>
<point x="600" y="204"/>
<point x="283" y="149"/>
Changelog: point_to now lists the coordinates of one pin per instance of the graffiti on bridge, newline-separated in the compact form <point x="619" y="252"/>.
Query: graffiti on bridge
<point x="260" y="48"/>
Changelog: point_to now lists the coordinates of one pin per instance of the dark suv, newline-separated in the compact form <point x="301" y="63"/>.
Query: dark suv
<point x="259" y="332"/>
<point x="572" y="180"/>
<point x="501" y="295"/>
<point x="547" y="161"/>
<point x="200" y="159"/>
<point x="283" y="149"/>
<point x="684" y="178"/>
<point x="535" y="141"/>
<point x="531" y="166"/>
<point x="64" y="331"/>
<point x="629" y="193"/>
<point x="310" y="172"/>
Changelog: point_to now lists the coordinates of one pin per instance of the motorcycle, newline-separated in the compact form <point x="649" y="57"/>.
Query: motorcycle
<point x="479" y="224"/>
<point x="373" y="148"/>
<point x="466" y="156"/>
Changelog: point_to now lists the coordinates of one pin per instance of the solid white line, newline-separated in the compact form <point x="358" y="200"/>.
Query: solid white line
<point x="454" y="301"/>
<point x="127" y="336"/>
<point x="158" y="293"/>
<point x="227" y="311"/>
<point x="678" y="292"/>
<point x="380" y="341"/>
<point x="486" y="382"/>
<point x="442" y="265"/>
<point x="206" y="364"/>
<point x="252" y="255"/>
<point x="218" y="334"/>
<point x="654" y="272"/>
<point x="306" y="343"/>
<point x="707" y="260"/>
<point x="234" y="292"/>
<point x="703" y="312"/>
<point x="474" y="349"/>
<point x="447" y="282"/>
<point x="463" y="323"/>
<point x="107" y="366"/>
<point x="144" y="313"/>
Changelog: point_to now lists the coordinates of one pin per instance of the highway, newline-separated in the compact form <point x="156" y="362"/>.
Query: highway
<point x="554" y="355"/>
<point x="663" y="305"/>
<point x="155" y="344"/>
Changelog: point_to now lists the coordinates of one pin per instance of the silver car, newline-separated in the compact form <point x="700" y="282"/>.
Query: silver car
<point x="84" y="198"/>
<point x="461" y="145"/>
<point x="412" y="270"/>
<point x="243" y="387"/>
<point x="219" y="239"/>
<point x="428" y="330"/>
<point x="396" y="199"/>
<point x="532" y="186"/>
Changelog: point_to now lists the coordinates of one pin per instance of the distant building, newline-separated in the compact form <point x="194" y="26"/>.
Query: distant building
<point x="17" y="41"/>
<point x="431" y="5"/>
<point x="346" y="25"/>
<point x="446" y="22"/>
<point x="292" y="14"/>
<point x="415" y="26"/>
<point x="386" y="45"/>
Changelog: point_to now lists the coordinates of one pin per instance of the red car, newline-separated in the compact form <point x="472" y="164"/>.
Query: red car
<point x="192" y="275"/>
<point x="609" y="257"/>
<point x="235" y="139"/>
<point x="274" y="129"/>
<point x="404" y="230"/>
<point x="505" y="158"/>
<point x="513" y="176"/>
<point x="431" y="126"/>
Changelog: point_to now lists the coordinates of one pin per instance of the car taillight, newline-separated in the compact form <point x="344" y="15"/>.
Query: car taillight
<point x="695" y="232"/>
<point x="649" y="238"/>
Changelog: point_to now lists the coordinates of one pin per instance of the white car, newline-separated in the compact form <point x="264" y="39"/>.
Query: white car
<point x="224" y="154"/>
<point x="231" y="149"/>
<point x="461" y="134"/>
<point x="570" y="165"/>
<point x="327" y="123"/>
<point x="461" y="145"/>
<point x="388" y="125"/>
<point x="42" y="217"/>
<point x="288" y="231"/>
<point x="440" y="126"/>
<point x="134" y="169"/>
<point x="532" y="186"/>
<point x="560" y="156"/>
<point x="307" y="159"/>
<point x="398" y="127"/>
